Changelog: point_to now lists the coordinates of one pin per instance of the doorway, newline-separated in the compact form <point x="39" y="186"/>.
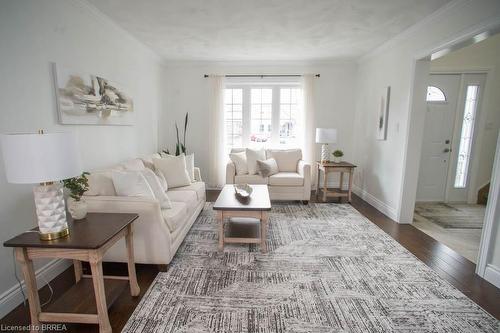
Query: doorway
<point x="446" y="205"/>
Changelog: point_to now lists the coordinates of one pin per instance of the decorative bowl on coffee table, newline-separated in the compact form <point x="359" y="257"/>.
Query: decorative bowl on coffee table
<point x="243" y="190"/>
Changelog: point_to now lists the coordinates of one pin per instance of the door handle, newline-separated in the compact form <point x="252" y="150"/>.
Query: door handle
<point x="446" y="150"/>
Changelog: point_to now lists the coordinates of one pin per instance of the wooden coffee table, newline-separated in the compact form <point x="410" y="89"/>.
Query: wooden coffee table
<point x="228" y="206"/>
<point x="91" y="296"/>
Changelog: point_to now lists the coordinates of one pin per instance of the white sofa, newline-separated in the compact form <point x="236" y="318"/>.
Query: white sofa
<point x="157" y="232"/>
<point x="285" y="185"/>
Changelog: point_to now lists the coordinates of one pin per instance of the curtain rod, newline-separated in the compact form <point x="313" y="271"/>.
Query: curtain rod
<point x="263" y="75"/>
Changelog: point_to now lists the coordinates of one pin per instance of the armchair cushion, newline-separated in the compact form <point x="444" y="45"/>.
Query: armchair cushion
<point x="287" y="159"/>
<point x="286" y="179"/>
<point x="250" y="179"/>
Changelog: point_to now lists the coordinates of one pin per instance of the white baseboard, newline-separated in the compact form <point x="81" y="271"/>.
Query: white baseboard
<point x="375" y="202"/>
<point x="13" y="296"/>
<point x="492" y="275"/>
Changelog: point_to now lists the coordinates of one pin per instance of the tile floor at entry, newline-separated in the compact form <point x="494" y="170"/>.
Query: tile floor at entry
<point x="458" y="226"/>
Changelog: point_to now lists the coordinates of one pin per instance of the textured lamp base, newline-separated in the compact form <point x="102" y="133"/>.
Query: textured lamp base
<point x="51" y="211"/>
<point x="324" y="153"/>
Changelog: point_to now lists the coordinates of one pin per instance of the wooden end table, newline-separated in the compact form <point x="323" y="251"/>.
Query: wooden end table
<point x="342" y="167"/>
<point x="89" y="239"/>
<point x="228" y="205"/>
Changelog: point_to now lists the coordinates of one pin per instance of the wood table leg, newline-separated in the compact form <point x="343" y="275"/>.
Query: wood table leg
<point x="220" y="220"/>
<point x="31" y="287"/>
<point x="341" y="183"/>
<point x="350" y="185"/>
<point x="134" y="286"/>
<point x="263" y="231"/>
<point x="325" y="185"/>
<point x="317" y="183"/>
<point x="100" y="296"/>
<point x="77" y="265"/>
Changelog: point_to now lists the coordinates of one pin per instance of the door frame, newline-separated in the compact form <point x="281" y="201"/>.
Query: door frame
<point x="492" y="212"/>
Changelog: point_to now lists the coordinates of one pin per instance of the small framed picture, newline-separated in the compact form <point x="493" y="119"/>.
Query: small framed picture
<point x="383" y="115"/>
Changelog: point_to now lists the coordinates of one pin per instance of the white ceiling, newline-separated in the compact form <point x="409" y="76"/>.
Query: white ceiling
<point x="265" y="29"/>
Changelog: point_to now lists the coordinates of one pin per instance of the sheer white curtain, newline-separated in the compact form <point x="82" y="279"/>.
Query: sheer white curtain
<point x="308" y="120"/>
<point x="216" y="146"/>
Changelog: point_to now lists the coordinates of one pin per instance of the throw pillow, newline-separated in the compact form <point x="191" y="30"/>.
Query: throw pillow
<point x="163" y="181"/>
<point x="252" y="156"/>
<point x="189" y="164"/>
<point x="240" y="162"/>
<point x="157" y="188"/>
<point x="174" y="170"/>
<point x="287" y="159"/>
<point x="131" y="184"/>
<point x="268" y="167"/>
<point x="135" y="164"/>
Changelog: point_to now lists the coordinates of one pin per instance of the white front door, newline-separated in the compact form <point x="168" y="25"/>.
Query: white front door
<point x="442" y="102"/>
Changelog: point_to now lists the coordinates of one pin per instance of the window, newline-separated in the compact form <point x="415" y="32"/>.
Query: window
<point x="434" y="94"/>
<point x="466" y="136"/>
<point x="262" y="115"/>
<point x="289" y="113"/>
<point x="233" y="116"/>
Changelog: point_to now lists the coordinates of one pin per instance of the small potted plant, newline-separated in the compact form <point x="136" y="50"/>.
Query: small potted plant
<point x="337" y="156"/>
<point x="77" y="186"/>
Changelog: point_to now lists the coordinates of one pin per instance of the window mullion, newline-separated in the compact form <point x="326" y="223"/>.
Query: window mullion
<point x="246" y="116"/>
<point x="275" y="136"/>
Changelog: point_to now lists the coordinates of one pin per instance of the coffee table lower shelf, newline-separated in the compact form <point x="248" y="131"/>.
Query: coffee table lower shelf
<point x="78" y="305"/>
<point x="240" y="230"/>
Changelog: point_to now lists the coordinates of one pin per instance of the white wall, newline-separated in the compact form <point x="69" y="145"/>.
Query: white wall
<point x="481" y="56"/>
<point x="381" y="176"/>
<point x="35" y="33"/>
<point x="187" y="91"/>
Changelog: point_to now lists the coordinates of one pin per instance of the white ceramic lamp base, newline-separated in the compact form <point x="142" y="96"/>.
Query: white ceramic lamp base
<point x="325" y="153"/>
<point x="51" y="211"/>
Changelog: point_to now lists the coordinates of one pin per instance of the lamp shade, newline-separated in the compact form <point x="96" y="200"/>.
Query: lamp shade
<point x="40" y="158"/>
<point x="326" y="135"/>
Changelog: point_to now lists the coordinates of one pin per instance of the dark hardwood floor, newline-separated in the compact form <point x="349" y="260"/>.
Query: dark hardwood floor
<point x="445" y="262"/>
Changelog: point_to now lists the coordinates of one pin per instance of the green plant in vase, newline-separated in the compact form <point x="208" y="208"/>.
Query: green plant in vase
<point x="77" y="186"/>
<point x="337" y="156"/>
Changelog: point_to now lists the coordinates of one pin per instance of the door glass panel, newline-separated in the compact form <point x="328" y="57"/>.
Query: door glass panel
<point x="466" y="136"/>
<point x="434" y="94"/>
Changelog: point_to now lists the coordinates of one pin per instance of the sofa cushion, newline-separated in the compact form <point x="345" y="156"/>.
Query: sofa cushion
<point x="198" y="187"/>
<point x="252" y="156"/>
<point x="240" y="162"/>
<point x="268" y="167"/>
<point x="135" y="164"/>
<point x="174" y="170"/>
<point x="101" y="183"/>
<point x="250" y="179"/>
<point x="148" y="160"/>
<point x="286" y="179"/>
<point x="188" y="197"/>
<point x="175" y="216"/>
<point x="287" y="159"/>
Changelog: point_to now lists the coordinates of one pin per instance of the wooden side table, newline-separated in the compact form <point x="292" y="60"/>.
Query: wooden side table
<point x="256" y="207"/>
<point x="89" y="240"/>
<point x="342" y="167"/>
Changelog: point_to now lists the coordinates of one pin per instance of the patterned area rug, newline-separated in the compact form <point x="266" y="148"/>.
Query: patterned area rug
<point x="328" y="270"/>
<point x="451" y="216"/>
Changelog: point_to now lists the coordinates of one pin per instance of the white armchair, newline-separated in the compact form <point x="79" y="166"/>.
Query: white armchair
<point x="285" y="185"/>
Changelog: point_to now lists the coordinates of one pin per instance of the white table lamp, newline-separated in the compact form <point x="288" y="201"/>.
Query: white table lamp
<point x="325" y="136"/>
<point x="43" y="159"/>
